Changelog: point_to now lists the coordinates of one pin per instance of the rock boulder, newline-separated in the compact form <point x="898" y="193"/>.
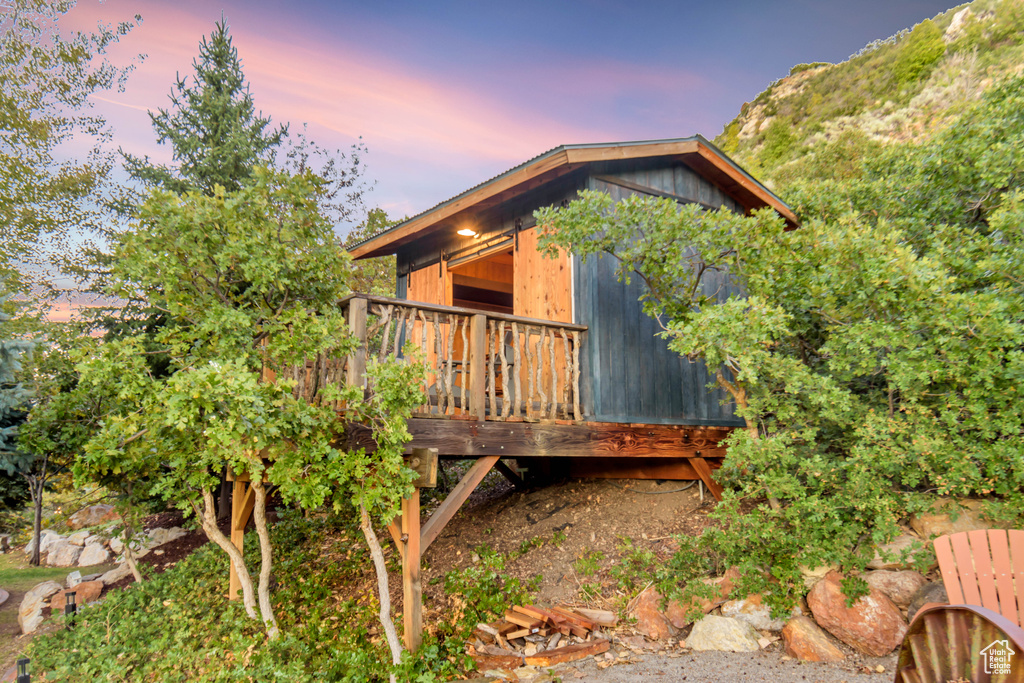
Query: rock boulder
<point x="873" y="626"/>
<point x="94" y="514"/>
<point x="116" y="574"/>
<point x="30" y="614"/>
<point x="93" y="554"/>
<point x="752" y="610"/>
<point x="891" y="555"/>
<point x="899" y="587"/>
<point x="160" y="536"/>
<point x="949" y="517"/>
<point x="930" y="592"/>
<point x="63" y="554"/>
<point x="676" y="611"/>
<point x="723" y="634"/>
<point x="79" y="537"/>
<point x="85" y="592"/>
<point x="649" y="619"/>
<point x="805" y="640"/>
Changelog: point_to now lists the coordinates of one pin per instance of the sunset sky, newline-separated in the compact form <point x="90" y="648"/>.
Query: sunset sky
<point x="448" y="94"/>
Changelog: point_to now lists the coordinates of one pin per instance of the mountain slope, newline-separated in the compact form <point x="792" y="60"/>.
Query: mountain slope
<point x="900" y="89"/>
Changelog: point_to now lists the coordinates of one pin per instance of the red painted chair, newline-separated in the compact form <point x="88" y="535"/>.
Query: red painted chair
<point x="978" y="637"/>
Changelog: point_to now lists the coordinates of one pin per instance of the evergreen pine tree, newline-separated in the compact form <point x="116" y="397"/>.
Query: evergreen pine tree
<point x="212" y="125"/>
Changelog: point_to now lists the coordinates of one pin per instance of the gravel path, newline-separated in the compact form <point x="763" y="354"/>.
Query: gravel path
<point x="711" y="667"/>
<point x="701" y="667"/>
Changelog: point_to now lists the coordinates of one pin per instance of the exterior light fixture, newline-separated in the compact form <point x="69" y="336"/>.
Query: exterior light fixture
<point x="467" y="232"/>
<point x="23" y="675"/>
<point x="70" y="608"/>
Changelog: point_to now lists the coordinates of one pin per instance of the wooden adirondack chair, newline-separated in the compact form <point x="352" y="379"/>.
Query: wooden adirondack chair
<point x="978" y="637"/>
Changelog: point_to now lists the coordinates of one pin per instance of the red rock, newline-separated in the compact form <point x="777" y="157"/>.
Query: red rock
<point x="649" y="619"/>
<point x="677" y="611"/>
<point x="948" y="516"/>
<point x="94" y="514"/>
<point x="805" y="640"/>
<point x="85" y="592"/>
<point x="873" y="626"/>
<point x="899" y="587"/>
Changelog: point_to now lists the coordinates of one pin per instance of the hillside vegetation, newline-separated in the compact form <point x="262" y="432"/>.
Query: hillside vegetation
<point x="904" y="88"/>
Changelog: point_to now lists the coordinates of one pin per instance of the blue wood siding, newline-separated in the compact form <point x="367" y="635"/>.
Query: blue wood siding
<point x="633" y="375"/>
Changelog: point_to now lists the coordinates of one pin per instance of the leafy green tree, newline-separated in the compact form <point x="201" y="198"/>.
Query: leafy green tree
<point x="46" y="79"/>
<point x="254" y="277"/>
<point x="50" y="439"/>
<point x="918" y="53"/>
<point x="876" y="354"/>
<point x="376" y="275"/>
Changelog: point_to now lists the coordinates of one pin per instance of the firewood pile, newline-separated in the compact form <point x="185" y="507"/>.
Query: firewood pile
<point x="538" y="636"/>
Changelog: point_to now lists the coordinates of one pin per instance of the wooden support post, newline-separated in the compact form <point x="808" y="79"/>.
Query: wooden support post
<point x="357" y="325"/>
<point x="477" y="366"/>
<point x="510" y="474"/>
<point x="704" y="472"/>
<point x="243" y="499"/>
<point x="411" y="588"/>
<point x="443" y="514"/>
<point x="423" y="461"/>
<point x="395" y="529"/>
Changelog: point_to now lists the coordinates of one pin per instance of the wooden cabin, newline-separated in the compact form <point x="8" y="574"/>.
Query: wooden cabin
<point x="565" y="341"/>
<point x="547" y="362"/>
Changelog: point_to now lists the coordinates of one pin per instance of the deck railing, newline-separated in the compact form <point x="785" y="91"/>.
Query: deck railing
<point x="481" y="364"/>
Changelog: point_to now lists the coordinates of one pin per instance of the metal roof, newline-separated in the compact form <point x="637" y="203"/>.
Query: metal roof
<point x="567" y="148"/>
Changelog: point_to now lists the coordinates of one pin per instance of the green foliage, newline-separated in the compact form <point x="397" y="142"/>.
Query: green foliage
<point x="47" y="76"/>
<point x="216" y="136"/>
<point x="876" y="357"/>
<point x="588" y="563"/>
<point x="177" y="626"/>
<point x="918" y="53"/>
<point x="779" y="140"/>
<point x="375" y="275"/>
<point x="798" y="68"/>
<point x="14" y="397"/>
<point x="909" y="85"/>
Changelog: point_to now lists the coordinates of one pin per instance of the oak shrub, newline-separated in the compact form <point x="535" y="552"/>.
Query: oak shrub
<point x="877" y="354"/>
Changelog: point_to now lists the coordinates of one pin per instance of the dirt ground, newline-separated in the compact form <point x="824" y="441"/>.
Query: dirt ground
<point x="597" y="516"/>
<point x="565" y="521"/>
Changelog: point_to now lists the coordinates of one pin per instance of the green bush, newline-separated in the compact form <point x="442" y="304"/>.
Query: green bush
<point x="876" y="355"/>
<point x="177" y="625"/>
<point x="918" y="53"/>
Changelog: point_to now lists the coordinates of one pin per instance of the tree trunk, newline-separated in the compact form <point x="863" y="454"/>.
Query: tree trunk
<point x="208" y="519"/>
<point x="259" y="514"/>
<point x="382" y="585"/>
<point x="739" y="394"/>
<point x="35" y="488"/>
<point x="129" y="537"/>
<point x="129" y="558"/>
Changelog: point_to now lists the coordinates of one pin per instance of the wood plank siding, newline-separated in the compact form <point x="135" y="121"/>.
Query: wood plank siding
<point x="628" y="373"/>
<point x="633" y="376"/>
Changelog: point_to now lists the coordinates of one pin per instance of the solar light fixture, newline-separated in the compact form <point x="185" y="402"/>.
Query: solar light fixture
<point x="23" y="675"/>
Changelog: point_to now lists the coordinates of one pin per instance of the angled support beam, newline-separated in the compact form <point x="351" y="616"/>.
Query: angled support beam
<point x="510" y="474"/>
<point x="444" y="513"/>
<point x="243" y="499"/>
<point x="704" y="472"/>
<point x="395" y="529"/>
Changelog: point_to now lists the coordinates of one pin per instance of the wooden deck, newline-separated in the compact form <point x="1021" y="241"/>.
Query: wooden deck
<point x="505" y="385"/>
<point x="498" y="387"/>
